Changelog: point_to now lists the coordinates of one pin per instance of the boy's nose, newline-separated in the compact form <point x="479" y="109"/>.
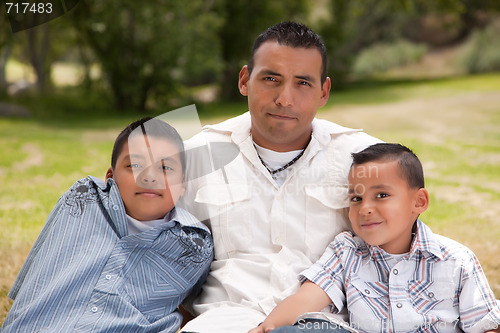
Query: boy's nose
<point x="148" y="178"/>
<point x="366" y="209"/>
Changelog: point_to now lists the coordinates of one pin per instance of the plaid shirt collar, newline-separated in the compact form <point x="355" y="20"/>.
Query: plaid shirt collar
<point x="424" y="244"/>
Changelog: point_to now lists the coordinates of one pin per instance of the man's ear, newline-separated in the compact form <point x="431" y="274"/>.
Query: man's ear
<point x="243" y="80"/>
<point x="325" y="91"/>
<point x="109" y="173"/>
<point x="421" y="201"/>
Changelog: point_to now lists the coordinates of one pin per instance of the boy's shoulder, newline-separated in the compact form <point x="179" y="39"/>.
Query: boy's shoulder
<point x="443" y="247"/>
<point x="188" y="220"/>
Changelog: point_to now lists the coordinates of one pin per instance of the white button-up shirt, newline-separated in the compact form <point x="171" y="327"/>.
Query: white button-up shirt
<point x="265" y="234"/>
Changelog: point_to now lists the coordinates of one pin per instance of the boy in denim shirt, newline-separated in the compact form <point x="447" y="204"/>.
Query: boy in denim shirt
<point x="117" y="256"/>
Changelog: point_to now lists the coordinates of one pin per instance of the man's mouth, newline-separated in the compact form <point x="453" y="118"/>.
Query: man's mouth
<point x="281" y="116"/>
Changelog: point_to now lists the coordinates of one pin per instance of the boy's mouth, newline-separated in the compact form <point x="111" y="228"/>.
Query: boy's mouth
<point x="150" y="193"/>
<point x="370" y="225"/>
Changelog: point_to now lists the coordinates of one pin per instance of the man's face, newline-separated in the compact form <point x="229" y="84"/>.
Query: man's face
<point x="149" y="176"/>
<point x="284" y="92"/>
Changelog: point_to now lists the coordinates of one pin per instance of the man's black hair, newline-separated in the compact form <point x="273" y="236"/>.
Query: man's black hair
<point x="409" y="164"/>
<point x="152" y="127"/>
<point x="294" y="35"/>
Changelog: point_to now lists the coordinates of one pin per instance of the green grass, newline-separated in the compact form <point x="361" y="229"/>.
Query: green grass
<point x="452" y="124"/>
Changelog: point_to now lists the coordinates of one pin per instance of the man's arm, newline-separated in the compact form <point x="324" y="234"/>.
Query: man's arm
<point x="309" y="298"/>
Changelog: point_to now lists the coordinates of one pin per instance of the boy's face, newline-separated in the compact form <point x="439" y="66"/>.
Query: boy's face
<point x="382" y="207"/>
<point x="149" y="176"/>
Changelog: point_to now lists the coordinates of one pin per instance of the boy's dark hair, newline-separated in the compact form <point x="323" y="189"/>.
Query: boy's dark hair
<point x="294" y="35"/>
<point x="152" y="127"/>
<point x="409" y="164"/>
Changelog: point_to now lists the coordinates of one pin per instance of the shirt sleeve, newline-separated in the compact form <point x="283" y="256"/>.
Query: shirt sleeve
<point x="328" y="273"/>
<point x="30" y="259"/>
<point x="479" y="309"/>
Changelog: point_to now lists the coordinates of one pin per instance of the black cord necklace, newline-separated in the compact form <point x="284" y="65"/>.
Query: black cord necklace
<point x="284" y="167"/>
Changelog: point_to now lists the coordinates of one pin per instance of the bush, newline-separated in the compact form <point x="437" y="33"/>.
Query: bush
<point x="383" y="56"/>
<point x="481" y="52"/>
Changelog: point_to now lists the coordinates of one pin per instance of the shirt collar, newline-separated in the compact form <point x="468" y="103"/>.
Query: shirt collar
<point x="424" y="243"/>
<point x="239" y="129"/>
<point x="177" y="214"/>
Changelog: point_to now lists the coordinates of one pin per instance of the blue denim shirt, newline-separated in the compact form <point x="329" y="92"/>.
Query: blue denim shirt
<point x="85" y="274"/>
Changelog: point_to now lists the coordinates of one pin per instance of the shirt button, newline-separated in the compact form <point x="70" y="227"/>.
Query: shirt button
<point x="395" y="271"/>
<point x="108" y="277"/>
<point x="399" y="305"/>
<point x="115" y="207"/>
<point x="431" y="294"/>
<point x="367" y="292"/>
<point x="94" y="309"/>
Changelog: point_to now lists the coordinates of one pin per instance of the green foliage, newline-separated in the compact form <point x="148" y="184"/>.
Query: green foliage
<point x="383" y="56"/>
<point x="147" y="48"/>
<point x="482" y="51"/>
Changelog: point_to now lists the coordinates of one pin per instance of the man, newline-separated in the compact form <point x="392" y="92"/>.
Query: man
<point x="277" y="205"/>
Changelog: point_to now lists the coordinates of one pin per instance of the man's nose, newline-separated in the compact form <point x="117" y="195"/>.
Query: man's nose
<point x="285" y="97"/>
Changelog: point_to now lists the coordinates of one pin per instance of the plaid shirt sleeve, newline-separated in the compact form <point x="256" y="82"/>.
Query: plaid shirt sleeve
<point x="329" y="271"/>
<point x="479" y="309"/>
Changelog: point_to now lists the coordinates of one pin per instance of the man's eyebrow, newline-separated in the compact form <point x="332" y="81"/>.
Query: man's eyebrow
<point x="306" y="78"/>
<point x="269" y="72"/>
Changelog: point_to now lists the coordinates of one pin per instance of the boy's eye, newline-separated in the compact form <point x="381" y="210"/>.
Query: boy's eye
<point x="382" y="195"/>
<point x="355" y="199"/>
<point x="135" y="166"/>
<point x="166" y="168"/>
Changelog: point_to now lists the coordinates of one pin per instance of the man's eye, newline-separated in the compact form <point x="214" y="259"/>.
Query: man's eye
<point x="270" y="78"/>
<point x="304" y="83"/>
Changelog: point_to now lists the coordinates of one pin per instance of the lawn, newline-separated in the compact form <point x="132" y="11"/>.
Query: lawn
<point x="453" y="125"/>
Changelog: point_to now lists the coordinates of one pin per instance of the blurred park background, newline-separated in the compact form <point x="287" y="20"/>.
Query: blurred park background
<point x="425" y="73"/>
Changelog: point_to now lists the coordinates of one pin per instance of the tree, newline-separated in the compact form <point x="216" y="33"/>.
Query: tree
<point x="356" y="24"/>
<point x="145" y="48"/>
<point x="5" y="51"/>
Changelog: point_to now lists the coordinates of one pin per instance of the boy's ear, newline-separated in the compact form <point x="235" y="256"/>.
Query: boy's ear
<point x="109" y="173"/>
<point x="421" y="201"/>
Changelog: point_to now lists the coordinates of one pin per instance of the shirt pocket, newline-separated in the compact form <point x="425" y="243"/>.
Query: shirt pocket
<point x="155" y="286"/>
<point x="229" y="208"/>
<point x="367" y="304"/>
<point x="326" y="215"/>
<point x="434" y="298"/>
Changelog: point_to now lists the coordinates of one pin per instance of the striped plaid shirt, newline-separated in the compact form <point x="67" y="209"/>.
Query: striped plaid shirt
<point x="439" y="286"/>
<point x="86" y="274"/>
